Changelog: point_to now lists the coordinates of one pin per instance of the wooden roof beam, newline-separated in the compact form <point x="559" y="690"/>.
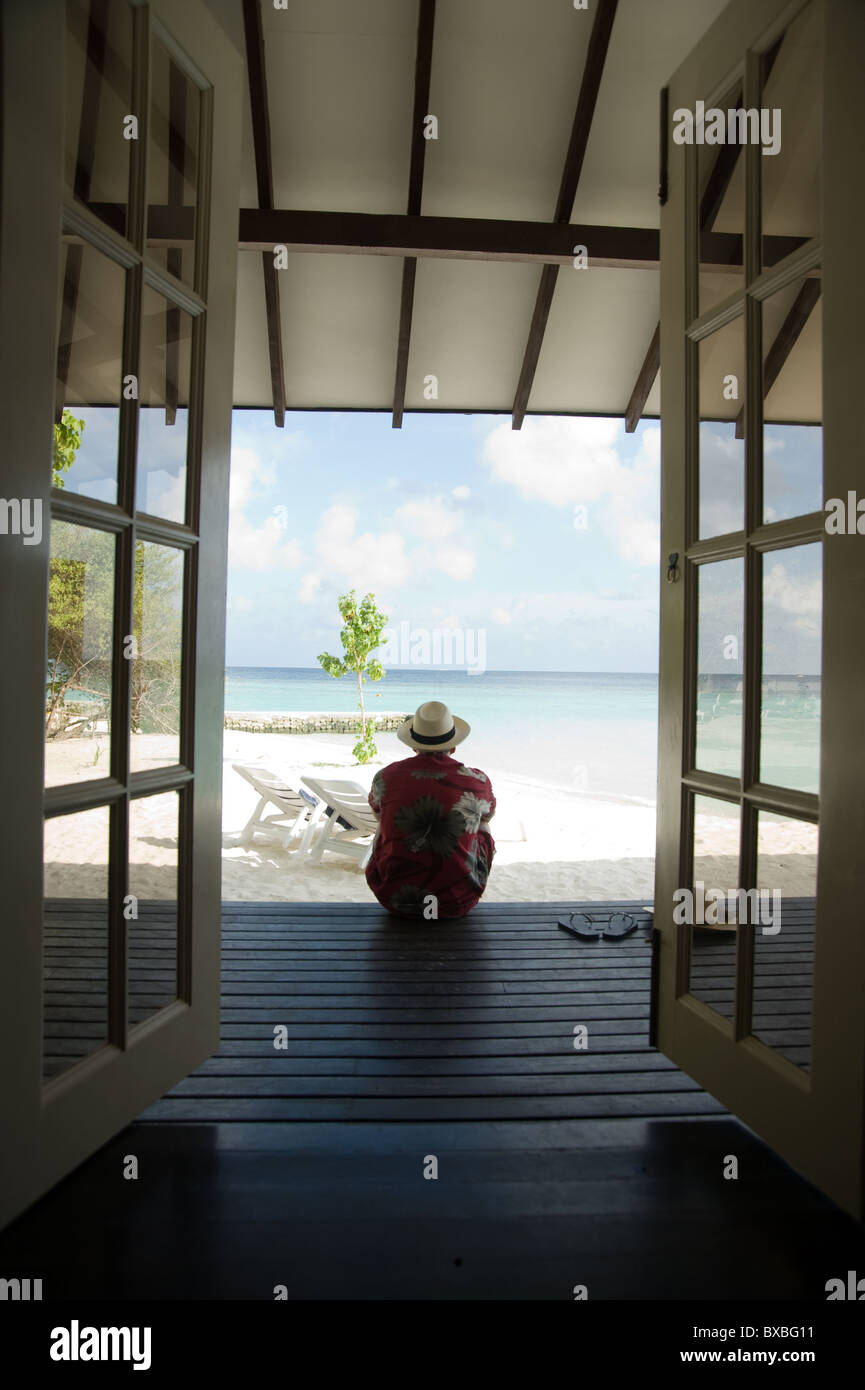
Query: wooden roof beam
<point x="264" y="177"/>
<point x="463" y="238"/>
<point x="644" y="382"/>
<point x="422" y="73"/>
<point x="785" y="341"/>
<point x="457" y="238"/>
<point x="599" y="43"/>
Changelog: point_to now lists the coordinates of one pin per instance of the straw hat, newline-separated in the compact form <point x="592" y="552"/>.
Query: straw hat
<point x="432" y="729"/>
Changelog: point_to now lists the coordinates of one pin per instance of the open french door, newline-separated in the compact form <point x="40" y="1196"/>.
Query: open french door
<point x="761" y="998"/>
<point x="118" y="249"/>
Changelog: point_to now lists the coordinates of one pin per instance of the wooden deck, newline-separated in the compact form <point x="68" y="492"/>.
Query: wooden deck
<point x="429" y="1016"/>
<point x="305" y="1165"/>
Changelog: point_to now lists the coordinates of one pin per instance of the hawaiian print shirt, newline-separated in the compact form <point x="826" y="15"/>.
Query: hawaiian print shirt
<point x="431" y="840"/>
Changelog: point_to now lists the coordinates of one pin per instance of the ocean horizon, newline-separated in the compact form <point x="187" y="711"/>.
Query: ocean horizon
<point x="592" y="732"/>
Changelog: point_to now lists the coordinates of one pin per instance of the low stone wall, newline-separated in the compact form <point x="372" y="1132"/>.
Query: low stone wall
<point x="263" y="723"/>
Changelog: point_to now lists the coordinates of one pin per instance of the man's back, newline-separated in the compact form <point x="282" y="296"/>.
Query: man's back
<point x="433" y="840"/>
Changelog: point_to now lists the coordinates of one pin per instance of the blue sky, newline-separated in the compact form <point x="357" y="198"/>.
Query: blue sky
<point x="538" y="546"/>
<point x="546" y="539"/>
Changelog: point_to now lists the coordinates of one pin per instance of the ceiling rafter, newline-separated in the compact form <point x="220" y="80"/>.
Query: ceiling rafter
<point x="785" y="340"/>
<point x="264" y="177"/>
<point x="422" y="73"/>
<point x="599" y="42"/>
<point x="458" y="238"/>
<point x="644" y="382"/>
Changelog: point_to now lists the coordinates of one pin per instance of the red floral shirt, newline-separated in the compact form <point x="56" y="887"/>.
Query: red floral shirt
<point x="432" y="840"/>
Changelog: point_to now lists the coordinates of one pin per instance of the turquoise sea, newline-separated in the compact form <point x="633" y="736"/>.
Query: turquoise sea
<point x="591" y="733"/>
<point x="594" y="733"/>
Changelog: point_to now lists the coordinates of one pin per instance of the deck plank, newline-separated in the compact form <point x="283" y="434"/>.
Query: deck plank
<point x="490" y="1002"/>
<point x="304" y="1164"/>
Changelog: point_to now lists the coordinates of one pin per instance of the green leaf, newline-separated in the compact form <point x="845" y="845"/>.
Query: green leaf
<point x="360" y="636"/>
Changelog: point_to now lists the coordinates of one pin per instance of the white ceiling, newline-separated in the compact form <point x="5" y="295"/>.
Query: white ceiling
<point x="505" y="81"/>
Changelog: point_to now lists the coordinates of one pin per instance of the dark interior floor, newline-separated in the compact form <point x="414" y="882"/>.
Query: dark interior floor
<point x="305" y="1166"/>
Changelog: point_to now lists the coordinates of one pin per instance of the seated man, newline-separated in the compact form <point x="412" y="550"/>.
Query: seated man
<point x="433" y="849"/>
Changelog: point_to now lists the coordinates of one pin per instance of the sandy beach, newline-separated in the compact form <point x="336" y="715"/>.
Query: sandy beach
<point x="552" y="844"/>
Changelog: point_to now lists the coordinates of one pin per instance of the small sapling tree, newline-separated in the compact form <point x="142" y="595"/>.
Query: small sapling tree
<point x="360" y="637"/>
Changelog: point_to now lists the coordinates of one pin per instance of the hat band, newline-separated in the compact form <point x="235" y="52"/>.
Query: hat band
<point x="433" y="738"/>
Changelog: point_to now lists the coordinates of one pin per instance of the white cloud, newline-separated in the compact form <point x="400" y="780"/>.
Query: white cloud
<point x="722" y="474"/>
<point x="567" y="462"/>
<point x="247" y="469"/>
<point x="555" y="460"/>
<point x="461" y="493"/>
<point x="801" y="598"/>
<point x="380" y="561"/>
<point x="570" y="609"/>
<point x="165" y="495"/>
<point x="252" y="547"/>
<point x="369" y="561"/>
<point x="430" y="518"/>
<point x="456" y="561"/>
<point x="261" y="547"/>
<point x="309" y="587"/>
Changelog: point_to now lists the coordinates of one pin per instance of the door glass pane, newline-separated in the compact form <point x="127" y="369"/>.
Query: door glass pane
<point x="793" y="400"/>
<point x="163" y="420"/>
<point x="790" y="696"/>
<point x="80" y="648"/>
<point x="721" y="209"/>
<point x="152" y="908"/>
<point x="75" y="939"/>
<point x="784" y="942"/>
<point x="721" y="366"/>
<point x="98" y="106"/>
<point x="792" y="86"/>
<point x="720" y="608"/>
<point x="157" y="663"/>
<point x="89" y="372"/>
<point x="716" y="874"/>
<point x="172" y="172"/>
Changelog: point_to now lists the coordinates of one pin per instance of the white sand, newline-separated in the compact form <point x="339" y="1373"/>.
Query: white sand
<point x="551" y="844"/>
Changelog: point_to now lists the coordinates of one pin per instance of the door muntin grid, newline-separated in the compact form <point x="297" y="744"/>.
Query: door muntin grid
<point x="774" y="270"/>
<point x="121" y="242"/>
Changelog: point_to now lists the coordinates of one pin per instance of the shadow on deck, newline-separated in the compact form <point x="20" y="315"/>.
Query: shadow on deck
<point x="308" y="1164"/>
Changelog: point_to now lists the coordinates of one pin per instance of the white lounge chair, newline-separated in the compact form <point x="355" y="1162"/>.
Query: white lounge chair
<point x="294" y="807"/>
<point x="347" y="803"/>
